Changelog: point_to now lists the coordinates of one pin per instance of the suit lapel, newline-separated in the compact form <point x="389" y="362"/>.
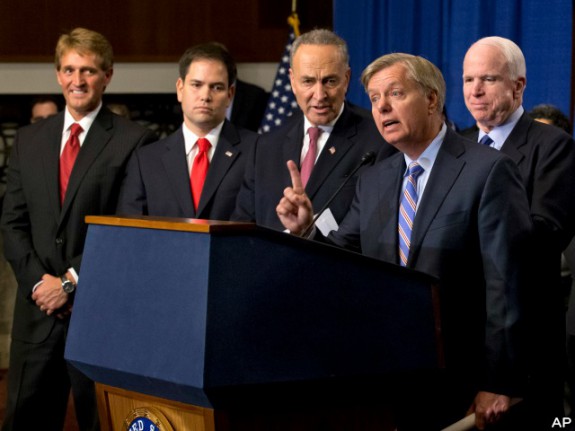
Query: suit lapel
<point x="516" y="139"/>
<point x="389" y="188"/>
<point x="446" y="169"/>
<point x="176" y="167"/>
<point x="292" y="145"/>
<point x="50" y="153"/>
<point x="335" y="148"/>
<point x="224" y="157"/>
<point x="96" y="140"/>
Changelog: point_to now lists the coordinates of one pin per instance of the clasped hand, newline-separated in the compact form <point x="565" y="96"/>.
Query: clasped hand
<point x="50" y="297"/>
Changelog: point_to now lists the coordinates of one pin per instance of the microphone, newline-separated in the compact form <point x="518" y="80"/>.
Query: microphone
<point x="367" y="159"/>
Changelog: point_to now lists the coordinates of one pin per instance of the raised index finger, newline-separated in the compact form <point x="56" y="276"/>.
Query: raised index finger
<point x="295" y="177"/>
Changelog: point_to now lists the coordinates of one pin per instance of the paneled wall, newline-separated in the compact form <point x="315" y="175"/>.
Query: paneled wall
<point x="152" y="31"/>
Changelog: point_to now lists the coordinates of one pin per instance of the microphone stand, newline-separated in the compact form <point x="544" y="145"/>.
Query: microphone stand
<point x="367" y="158"/>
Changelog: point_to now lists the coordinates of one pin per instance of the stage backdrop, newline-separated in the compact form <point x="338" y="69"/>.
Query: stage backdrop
<point x="442" y="30"/>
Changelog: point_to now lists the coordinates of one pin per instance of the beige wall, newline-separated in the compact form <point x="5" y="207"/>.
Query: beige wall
<point x="7" y="295"/>
<point x="39" y="78"/>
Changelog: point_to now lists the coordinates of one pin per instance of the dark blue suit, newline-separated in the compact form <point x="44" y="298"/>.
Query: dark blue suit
<point x="158" y="180"/>
<point x="470" y="231"/>
<point x="545" y="156"/>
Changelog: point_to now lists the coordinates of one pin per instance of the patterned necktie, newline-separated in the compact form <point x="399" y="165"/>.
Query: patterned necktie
<point x="309" y="159"/>
<point x="68" y="157"/>
<point x="486" y="140"/>
<point x="407" y="211"/>
<point x="200" y="170"/>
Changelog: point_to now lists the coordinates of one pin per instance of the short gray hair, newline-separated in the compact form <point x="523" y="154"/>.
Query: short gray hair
<point x="512" y="53"/>
<point x="320" y="37"/>
<point x="422" y="71"/>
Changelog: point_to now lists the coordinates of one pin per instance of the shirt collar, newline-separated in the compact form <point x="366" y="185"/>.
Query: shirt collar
<point x="427" y="158"/>
<point x="85" y="122"/>
<point x="190" y="138"/>
<point x="500" y="133"/>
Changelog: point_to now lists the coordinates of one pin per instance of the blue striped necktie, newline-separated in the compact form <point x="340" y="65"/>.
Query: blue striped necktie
<point x="407" y="211"/>
<point x="486" y="140"/>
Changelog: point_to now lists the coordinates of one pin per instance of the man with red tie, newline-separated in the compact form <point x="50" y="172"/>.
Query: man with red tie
<point x="61" y="169"/>
<point x="197" y="171"/>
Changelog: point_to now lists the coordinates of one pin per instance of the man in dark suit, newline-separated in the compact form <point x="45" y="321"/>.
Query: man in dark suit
<point x="494" y="80"/>
<point x="468" y="226"/>
<point x="44" y="229"/>
<point x="158" y="181"/>
<point x="248" y="105"/>
<point x="319" y="76"/>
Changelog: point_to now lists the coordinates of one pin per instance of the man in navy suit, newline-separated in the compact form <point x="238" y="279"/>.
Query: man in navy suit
<point x="469" y="229"/>
<point x="494" y="80"/>
<point x="44" y="230"/>
<point x="158" y="181"/>
<point x="319" y="76"/>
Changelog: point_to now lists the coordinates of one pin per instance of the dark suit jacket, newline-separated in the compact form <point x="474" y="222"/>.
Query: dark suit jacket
<point x="267" y="175"/>
<point x="250" y="102"/>
<point x="158" y="181"/>
<point x="545" y="156"/>
<point x="470" y="231"/>
<point x="39" y="236"/>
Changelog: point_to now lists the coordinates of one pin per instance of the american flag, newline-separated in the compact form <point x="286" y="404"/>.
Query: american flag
<point x="282" y="103"/>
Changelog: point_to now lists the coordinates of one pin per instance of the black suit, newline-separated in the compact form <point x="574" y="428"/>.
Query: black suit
<point x="545" y="156"/>
<point x="267" y="175"/>
<point x="158" y="180"/>
<point x="41" y="236"/>
<point x="470" y="231"/>
<point x="250" y="102"/>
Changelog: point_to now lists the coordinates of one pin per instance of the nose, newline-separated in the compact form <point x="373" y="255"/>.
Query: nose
<point x="476" y="86"/>
<point x="382" y="104"/>
<point x="319" y="91"/>
<point x="77" y="78"/>
<point x="205" y="93"/>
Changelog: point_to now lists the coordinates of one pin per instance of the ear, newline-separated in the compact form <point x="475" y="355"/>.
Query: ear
<point x="231" y="92"/>
<point x="179" y="89"/>
<point x="108" y="75"/>
<point x="520" y="85"/>
<point x="432" y="102"/>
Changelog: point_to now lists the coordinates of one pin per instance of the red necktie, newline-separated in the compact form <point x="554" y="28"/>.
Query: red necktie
<point x="309" y="159"/>
<point x="68" y="157"/>
<point x="200" y="170"/>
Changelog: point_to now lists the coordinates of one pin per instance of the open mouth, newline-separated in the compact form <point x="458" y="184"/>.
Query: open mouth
<point x="390" y="123"/>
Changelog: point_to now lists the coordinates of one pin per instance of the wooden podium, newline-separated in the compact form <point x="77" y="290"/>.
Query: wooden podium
<point x="199" y="325"/>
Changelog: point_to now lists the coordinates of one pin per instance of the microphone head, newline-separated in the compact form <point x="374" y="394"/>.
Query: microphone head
<point x="368" y="158"/>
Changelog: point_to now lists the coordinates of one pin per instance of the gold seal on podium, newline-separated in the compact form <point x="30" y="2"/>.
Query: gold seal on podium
<point x="147" y="419"/>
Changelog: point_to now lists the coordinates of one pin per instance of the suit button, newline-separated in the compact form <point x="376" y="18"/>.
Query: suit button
<point x="59" y="241"/>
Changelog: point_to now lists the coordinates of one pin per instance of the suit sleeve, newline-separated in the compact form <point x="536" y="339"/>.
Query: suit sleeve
<point x="132" y="199"/>
<point x="245" y="209"/>
<point x="504" y="227"/>
<point x="17" y="229"/>
<point x="552" y="202"/>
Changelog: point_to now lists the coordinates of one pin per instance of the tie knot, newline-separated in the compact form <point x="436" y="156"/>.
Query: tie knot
<point x="314" y="133"/>
<point x="486" y="140"/>
<point x="415" y="169"/>
<point x="204" y="145"/>
<point x="75" y="129"/>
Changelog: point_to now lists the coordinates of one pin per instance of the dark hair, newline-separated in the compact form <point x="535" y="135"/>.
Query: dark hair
<point x="209" y="51"/>
<point x="553" y="114"/>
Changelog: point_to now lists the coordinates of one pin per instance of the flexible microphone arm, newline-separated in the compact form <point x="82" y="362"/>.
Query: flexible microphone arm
<point x="368" y="158"/>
